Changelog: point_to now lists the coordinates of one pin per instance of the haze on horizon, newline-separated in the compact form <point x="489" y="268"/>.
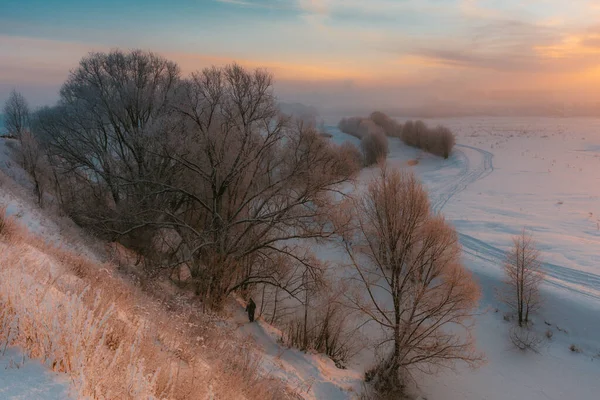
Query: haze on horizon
<point x="342" y="56"/>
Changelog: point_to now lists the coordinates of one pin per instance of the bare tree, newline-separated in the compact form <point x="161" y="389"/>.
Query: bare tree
<point x="523" y="269"/>
<point x="106" y="136"/>
<point x="407" y="260"/>
<point x="253" y="185"/>
<point x="16" y="114"/>
<point x="33" y="161"/>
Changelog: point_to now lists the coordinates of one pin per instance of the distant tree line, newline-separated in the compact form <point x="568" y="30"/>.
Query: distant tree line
<point x="372" y="131"/>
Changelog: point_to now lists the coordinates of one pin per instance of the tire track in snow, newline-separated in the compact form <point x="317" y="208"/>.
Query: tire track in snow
<point x="468" y="175"/>
<point x="582" y="282"/>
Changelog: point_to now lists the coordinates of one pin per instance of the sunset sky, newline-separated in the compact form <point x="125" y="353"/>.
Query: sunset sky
<point x="323" y="52"/>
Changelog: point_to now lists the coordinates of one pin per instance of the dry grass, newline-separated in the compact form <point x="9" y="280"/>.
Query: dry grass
<point x="114" y="340"/>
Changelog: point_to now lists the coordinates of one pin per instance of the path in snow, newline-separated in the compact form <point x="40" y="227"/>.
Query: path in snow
<point x="476" y="164"/>
<point x="313" y="376"/>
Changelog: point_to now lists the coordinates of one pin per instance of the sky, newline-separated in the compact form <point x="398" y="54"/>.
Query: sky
<point x="328" y="53"/>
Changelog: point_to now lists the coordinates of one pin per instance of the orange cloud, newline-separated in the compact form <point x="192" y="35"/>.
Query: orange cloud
<point x="314" y="71"/>
<point x="572" y="46"/>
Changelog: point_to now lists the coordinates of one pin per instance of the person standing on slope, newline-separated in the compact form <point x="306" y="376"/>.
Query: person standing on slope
<point x="250" y="308"/>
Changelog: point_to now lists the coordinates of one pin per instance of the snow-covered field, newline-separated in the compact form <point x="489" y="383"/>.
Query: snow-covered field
<point x="507" y="174"/>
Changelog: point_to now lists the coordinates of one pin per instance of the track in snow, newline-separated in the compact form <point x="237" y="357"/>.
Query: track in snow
<point x="581" y="282"/>
<point x="468" y="175"/>
<point x="478" y="168"/>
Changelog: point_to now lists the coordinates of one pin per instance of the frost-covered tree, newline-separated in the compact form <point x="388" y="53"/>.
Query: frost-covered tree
<point x="523" y="269"/>
<point x="16" y="114"/>
<point x="413" y="284"/>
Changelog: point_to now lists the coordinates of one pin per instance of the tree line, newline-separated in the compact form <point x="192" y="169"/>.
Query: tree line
<point x="373" y="132"/>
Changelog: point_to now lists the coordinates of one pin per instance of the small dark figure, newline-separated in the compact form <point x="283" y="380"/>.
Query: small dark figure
<point x="250" y="308"/>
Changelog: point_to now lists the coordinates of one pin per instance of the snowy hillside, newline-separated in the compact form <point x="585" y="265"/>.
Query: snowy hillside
<point x="306" y="376"/>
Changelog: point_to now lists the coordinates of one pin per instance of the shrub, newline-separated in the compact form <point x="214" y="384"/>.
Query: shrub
<point x="351" y="126"/>
<point x="408" y="134"/>
<point x="390" y="127"/>
<point x="438" y="141"/>
<point x="374" y="147"/>
<point x="368" y="127"/>
<point x="574" y="348"/>
<point x="353" y="158"/>
<point x="525" y="339"/>
<point x="327" y="334"/>
<point x="442" y="141"/>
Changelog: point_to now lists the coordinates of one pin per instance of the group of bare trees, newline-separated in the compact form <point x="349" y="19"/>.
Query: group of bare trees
<point x="202" y="172"/>
<point x="374" y="143"/>
<point x="373" y="130"/>
<point x="439" y="140"/>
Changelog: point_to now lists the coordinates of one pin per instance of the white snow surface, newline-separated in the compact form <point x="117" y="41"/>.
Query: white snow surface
<point x="24" y="379"/>
<point x="312" y="376"/>
<point x="504" y="175"/>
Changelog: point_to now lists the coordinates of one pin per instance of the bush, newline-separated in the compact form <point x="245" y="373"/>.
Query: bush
<point x="374" y="147"/>
<point x="351" y="126"/>
<point x="368" y="127"/>
<point x="525" y="339"/>
<point x="327" y="334"/>
<point x="374" y="142"/>
<point x="574" y="348"/>
<point x="352" y="157"/>
<point x="390" y="127"/>
<point x="380" y="384"/>
<point x="443" y="141"/>
<point x="438" y="141"/>
<point x="408" y="132"/>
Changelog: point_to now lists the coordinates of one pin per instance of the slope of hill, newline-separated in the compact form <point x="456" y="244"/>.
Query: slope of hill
<point x="178" y="353"/>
